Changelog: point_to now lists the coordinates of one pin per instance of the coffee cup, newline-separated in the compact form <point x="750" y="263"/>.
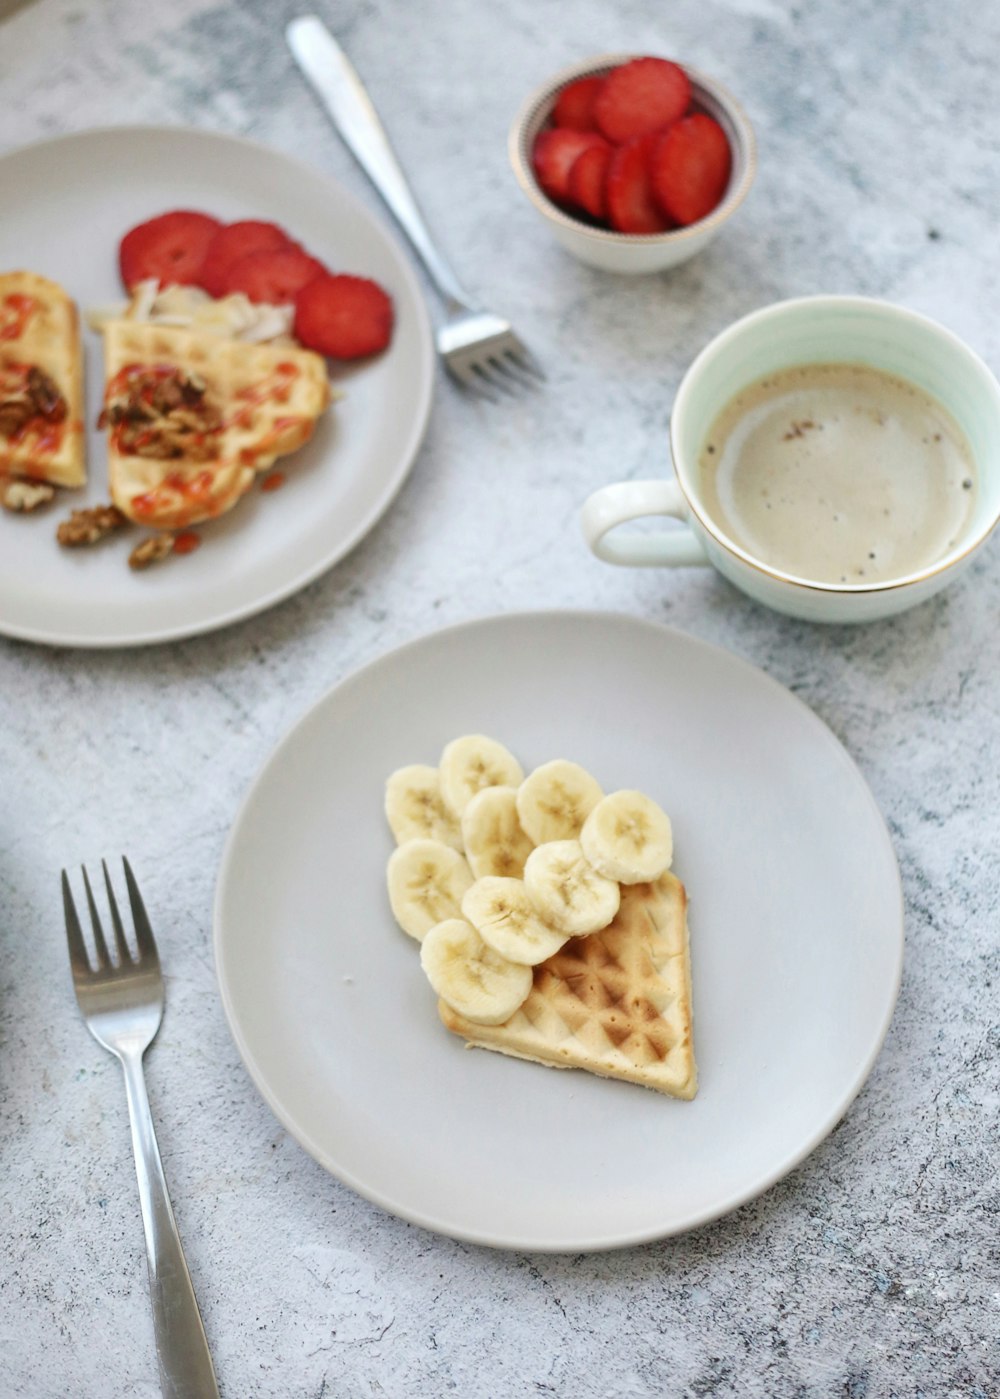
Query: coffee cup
<point x="807" y="331"/>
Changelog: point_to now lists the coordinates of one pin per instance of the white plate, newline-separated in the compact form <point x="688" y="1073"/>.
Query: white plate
<point x="66" y="204"/>
<point x="796" y="937"/>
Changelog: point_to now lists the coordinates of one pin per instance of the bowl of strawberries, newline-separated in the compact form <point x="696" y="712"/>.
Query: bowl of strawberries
<point x="635" y="162"/>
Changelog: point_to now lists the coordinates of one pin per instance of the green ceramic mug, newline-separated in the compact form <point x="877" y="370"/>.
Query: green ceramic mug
<point x="809" y="330"/>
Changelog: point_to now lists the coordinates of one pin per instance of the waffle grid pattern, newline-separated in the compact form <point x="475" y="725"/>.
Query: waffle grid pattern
<point x="617" y="1003"/>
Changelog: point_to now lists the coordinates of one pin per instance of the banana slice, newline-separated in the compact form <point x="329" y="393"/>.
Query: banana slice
<point x="427" y="880"/>
<point x="628" y="837"/>
<point x="415" y="808"/>
<point x="492" y="835"/>
<point x="471" y="763"/>
<point x="470" y="976"/>
<point x="567" y="891"/>
<point x="555" y="800"/>
<point x="503" y="916"/>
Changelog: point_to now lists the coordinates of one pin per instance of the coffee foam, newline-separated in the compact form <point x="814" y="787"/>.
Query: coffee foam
<point x="838" y="473"/>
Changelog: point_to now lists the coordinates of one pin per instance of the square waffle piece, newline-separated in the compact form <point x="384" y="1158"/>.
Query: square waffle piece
<point x="192" y="418"/>
<point x="41" y="382"/>
<point x="616" y="1003"/>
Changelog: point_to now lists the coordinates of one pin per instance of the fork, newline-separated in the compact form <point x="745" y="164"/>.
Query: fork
<point x="479" y="349"/>
<point x="122" y="1003"/>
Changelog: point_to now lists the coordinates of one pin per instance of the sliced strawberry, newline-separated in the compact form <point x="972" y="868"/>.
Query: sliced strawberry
<point x="170" y="247"/>
<point x="689" y="168"/>
<point x="343" y="317"/>
<point x="631" y="206"/>
<point x="587" y="180"/>
<point x="574" y="107"/>
<point x="236" y="240"/>
<point x="643" y="95"/>
<point x="553" y="155"/>
<point x="276" y="277"/>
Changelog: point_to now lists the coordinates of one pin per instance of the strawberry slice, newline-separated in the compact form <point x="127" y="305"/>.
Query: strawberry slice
<point x="343" y="317"/>
<point x="574" y="107"/>
<point x="689" y="168"/>
<point x="236" y="240"/>
<point x="643" y="95"/>
<point x="553" y="155"/>
<point x="631" y="206"/>
<point x="587" y="180"/>
<point x="276" y="277"/>
<point x="170" y="247"/>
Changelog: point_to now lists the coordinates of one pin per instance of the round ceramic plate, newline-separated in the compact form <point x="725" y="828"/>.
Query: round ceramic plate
<point x="796" y="937"/>
<point x="66" y="205"/>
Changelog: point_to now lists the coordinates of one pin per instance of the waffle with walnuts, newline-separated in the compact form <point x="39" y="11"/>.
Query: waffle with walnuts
<point x="616" y="1003"/>
<point x="41" y="382"/>
<point x="192" y="418"/>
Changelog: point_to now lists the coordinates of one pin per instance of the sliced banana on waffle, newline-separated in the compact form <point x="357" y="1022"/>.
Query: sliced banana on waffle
<point x="415" y="808"/>
<point x="473" y="978"/>
<point x="567" y="891"/>
<point x="628" y="837"/>
<point x="555" y="800"/>
<point x="427" y="880"/>
<point x="503" y="915"/>
<point x="471" y="763"/>
<point x="494" y="841"/>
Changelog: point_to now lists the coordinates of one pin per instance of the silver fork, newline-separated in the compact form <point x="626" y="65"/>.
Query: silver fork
<point x="481" y="350"/>
<point x="122" y="1002"/>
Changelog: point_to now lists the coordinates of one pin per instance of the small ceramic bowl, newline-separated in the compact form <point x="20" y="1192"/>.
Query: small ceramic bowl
<point x="633" y="252"/>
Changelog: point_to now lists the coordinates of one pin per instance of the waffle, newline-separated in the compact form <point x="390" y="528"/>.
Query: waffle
<point x="616" y="1003"/>
<point x="39" y="330"/>
<point x="265" y="398"/>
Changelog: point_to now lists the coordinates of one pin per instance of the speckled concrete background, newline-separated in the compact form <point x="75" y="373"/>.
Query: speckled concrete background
<point x="872" y="1271"/>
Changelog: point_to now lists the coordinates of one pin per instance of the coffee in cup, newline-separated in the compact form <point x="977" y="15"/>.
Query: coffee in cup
<point x="838" y="473"/>
<point x="797" y="371"/>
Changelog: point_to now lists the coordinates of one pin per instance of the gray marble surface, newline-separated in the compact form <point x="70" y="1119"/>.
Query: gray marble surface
<point x="872" y="1270"/>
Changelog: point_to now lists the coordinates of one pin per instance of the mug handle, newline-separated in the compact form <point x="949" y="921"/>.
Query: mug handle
<point x="612" y="506"/>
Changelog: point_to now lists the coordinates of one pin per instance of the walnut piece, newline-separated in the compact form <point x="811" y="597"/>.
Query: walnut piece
<point x="24" y="496"/>
<point x="89" y="526"/>
<point x="150" y="550"/>
<point x="165" y="416"/>
<point x="15" y="414"/>
<point x="45" y="396"/>
<point x="36" y="398"/>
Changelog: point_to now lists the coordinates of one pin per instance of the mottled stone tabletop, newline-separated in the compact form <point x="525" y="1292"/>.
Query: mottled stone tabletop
<point x="872" y="1270"/>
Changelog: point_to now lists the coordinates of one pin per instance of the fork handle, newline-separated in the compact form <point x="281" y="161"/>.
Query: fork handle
<point x="181" y="1348"/>
<point x="338" y="86"/>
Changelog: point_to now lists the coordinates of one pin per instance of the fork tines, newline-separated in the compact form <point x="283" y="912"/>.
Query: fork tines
<point x="103" y="961"/>
<point x="484" y="353"/>
<point x="503" y="371"/>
